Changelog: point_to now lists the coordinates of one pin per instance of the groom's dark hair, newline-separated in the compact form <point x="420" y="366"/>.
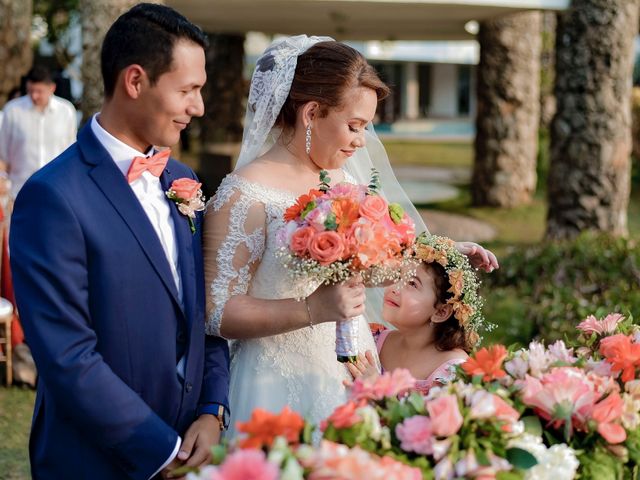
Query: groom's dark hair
<point x="146" y="36"/>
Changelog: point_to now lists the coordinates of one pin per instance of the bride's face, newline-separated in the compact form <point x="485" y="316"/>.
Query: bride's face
<point x="336" y="137"/>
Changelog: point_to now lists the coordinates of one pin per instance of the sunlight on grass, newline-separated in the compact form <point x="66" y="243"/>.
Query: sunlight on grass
<point x="435" y="154"/>
<point x="16" y="408"/>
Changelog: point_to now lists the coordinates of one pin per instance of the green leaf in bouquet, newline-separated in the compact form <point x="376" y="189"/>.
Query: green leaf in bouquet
<point x="218" y="454"/>
<point x="416" y="400"/>
<point x="184" y="470"/>
<point x="509" y="475"/>
<point x="598" y="464"/>
<point x="633" y="445"/>
<point x="331" y="222"/>
<point x="532" y="425"/>
<point x="396" y="212"/>
<point x="325" y="180"/>
<point x="374" y="183"/>
<point x="310" y="206"/>
<point x="482" y="457"/>
<point x="521" y="459"/>
<point x="307" y="433"/>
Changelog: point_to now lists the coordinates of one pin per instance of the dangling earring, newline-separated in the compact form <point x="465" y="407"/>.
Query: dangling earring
<point x="307" y="140"/>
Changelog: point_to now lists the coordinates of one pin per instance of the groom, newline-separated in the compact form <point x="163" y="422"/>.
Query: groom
<point x="109" y="277"/>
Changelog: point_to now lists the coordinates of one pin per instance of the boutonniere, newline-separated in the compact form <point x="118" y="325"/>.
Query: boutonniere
<point x="188" y="197"/>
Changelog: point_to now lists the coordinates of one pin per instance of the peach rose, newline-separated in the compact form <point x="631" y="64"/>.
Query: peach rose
<point x="185" y="188"/>
<point x="300" y="240"/>
<point x="445" y="415"/>
<point x="326" y="247"/>
<point x="374" y="207"/>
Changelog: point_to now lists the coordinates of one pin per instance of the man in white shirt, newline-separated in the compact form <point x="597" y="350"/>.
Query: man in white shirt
<point x="35" y="128"/>
<point x="109" y="278"/>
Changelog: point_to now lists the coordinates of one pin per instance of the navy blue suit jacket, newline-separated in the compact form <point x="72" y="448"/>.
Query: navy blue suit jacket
<point x="101" y="315"/>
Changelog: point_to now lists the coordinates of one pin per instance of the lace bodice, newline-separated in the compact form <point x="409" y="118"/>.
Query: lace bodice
<point x="297" y="368"/>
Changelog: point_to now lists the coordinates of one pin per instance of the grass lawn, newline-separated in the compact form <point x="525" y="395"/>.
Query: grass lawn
<point x="436" y="154"/>
<point x="16" y="407"/>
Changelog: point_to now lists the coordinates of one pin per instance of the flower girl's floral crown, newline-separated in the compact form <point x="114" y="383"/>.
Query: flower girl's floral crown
<point x="464" y="284"/>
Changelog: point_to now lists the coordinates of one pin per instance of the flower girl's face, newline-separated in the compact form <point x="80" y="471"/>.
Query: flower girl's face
<point x="411" y="305"/>
<point x="336" y="137"/>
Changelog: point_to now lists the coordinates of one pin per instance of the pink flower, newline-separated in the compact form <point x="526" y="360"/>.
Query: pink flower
<point x="605" y="413"/>
<point x="326" y="247"/>
<point x="389" y="384"/>
<point x="445" y="415"/>
<point x="373" y="208"/>
<point x="563" y="395"/>
<point x="348" y="190"/>
<point x="300" y="240"/>
<point x="416" y="435"/>
<point x="248" y="465"/>
<point x="185" y="188"/>
<point x="344" y="416"/>
<point x="606" y="326"/>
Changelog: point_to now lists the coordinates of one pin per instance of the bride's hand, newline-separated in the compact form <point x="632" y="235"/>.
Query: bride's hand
<point x="337" y="303"/>
<point x="479" y="257"/>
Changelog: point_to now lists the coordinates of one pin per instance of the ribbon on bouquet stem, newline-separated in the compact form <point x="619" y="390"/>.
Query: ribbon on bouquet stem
<point x="347" y="340"/>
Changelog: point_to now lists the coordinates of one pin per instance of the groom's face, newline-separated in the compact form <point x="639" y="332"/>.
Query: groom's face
<point x="170" y="104"/>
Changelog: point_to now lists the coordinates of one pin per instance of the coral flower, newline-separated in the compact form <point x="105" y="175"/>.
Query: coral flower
<point x="622" y="354"/>
<point x="294" y="211"/>
<point x="487" y="362"/>
<point x="346" y="212"/>
<point x="605" y="413"/>
<point x="264" y="427"/>
<point x="344" y="416"/>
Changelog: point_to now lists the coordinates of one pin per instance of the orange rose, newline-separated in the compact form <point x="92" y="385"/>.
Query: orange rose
<point x="374" y="207"/>
<point x="326" y="247"/>
<point x="300" y="240"/>
<point x="185" y="188"/>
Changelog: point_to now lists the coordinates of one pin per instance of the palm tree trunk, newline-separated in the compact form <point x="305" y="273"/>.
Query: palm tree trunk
<point x="508" y="87"/>
<point x="16" y="54"/>
<point x="589" y="177"/>
<point x="97" y="17"/>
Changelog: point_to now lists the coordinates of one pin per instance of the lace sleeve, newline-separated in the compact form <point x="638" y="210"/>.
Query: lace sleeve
<point x="233" y="244"/>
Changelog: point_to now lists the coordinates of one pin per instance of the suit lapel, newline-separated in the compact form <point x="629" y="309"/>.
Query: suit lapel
<point x="184" y="240"/>
<point x="115" y="188"/>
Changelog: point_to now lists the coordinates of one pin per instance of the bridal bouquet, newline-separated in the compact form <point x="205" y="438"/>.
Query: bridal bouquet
<point x="335" y="232"/>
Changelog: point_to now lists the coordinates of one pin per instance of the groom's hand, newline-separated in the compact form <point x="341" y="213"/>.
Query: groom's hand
<point x="204" y="433"/>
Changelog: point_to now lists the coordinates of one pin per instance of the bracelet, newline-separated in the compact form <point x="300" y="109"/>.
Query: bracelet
<point x="309" y="313"/>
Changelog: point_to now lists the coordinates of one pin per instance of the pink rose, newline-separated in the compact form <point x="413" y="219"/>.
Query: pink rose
<point x="326" y="247"/>
<point x="373" y="208"/>
<point x="300" y="240"/>
<point x="185" y="188"/>
<point x="243" y="464"/>
<point x="445" y="415"/>
<point x="415" y="435"/>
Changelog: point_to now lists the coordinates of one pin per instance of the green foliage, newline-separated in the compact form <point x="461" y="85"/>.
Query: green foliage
<point x="600" y="465"/>
<point x="58" y="16"/>
<point x="546" y="290"/>
<point x="16" y="408"/>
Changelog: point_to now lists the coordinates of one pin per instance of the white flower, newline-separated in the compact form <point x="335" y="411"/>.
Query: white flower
<point x="560" y="353"/>
<point x="370" y="421"/>
<point x="538" y="359"/>
<point x="443" y="470"/>
<point x="556" y="463"/>
<point x="292" y="470"/>
<point x="518" y="366"/>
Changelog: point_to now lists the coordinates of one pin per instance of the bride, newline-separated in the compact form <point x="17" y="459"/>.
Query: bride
<point x="310" y="107"/>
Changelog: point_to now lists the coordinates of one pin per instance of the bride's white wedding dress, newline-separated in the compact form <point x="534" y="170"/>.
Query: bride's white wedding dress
<point x="298" y="369"/>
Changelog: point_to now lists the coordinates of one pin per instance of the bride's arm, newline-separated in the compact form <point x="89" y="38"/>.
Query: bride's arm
<point x="233" y="243"/>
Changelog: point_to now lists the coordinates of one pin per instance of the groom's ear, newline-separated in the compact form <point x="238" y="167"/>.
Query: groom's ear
<point x="134" y="78"/>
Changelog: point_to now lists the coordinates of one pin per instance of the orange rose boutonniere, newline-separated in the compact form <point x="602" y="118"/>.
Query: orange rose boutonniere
<point x="187" y="195"/>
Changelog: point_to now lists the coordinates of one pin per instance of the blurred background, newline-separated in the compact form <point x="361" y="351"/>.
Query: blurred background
<point x="512" y="123"/>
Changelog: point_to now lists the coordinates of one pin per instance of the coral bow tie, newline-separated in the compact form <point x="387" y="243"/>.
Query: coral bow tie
<point x="154" y="165"/>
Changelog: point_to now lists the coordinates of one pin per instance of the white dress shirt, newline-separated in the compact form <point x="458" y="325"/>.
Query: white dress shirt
<point x="30" y="138"/>
<point x="149" y="192"/>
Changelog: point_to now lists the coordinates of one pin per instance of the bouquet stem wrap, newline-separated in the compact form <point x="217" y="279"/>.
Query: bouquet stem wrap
<point x="347" y="340"/>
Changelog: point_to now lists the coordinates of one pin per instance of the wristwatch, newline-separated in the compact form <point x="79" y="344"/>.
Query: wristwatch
<point x="223" y="418"/>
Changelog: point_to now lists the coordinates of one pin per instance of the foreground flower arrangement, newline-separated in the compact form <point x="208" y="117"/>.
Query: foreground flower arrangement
<point x="545" y="412"/>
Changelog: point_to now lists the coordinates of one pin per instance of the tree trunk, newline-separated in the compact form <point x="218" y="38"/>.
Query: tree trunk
<point x="16" y="54"/>
<point x="589" y="177"/>
<point x="224" y="98"/>
<point x="504" y="173"/>
<point x="97" y="17"/>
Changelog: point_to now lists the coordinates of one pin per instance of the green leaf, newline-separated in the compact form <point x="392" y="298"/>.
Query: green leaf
<point x="482" y="457"/>
<point x="521" y="459"/>
<point x="396" y="212"/>
<point x="416" y="400"/>
<point x="532" y="425"/>
<point x="310" y="206"/>
<point x="330" y="223"/>
<point x="218" y="454"/>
